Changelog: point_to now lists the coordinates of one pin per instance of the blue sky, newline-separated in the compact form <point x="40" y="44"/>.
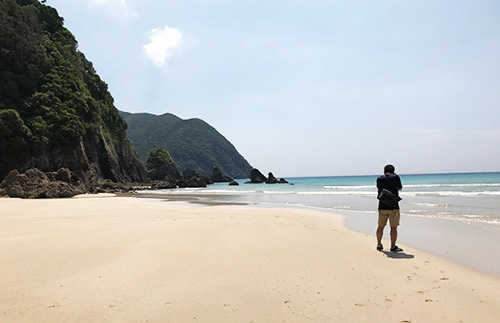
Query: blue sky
<point x="310" y="88"/>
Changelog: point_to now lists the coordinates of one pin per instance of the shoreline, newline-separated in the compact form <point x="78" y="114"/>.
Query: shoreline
<point x="136" y="259"/>
<point x="466" y="244"/>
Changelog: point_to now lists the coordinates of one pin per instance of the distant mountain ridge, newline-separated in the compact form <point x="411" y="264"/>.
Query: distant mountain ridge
<point x="193" y="143"/>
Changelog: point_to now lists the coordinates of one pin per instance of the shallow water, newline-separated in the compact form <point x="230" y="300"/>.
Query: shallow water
<point x="456" y="216"/>
<point x="470" y="198"/>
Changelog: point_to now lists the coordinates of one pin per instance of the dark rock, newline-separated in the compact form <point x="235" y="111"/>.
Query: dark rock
<point x="182" y="182"/>
<point x="197" y="181"/>
<point x="193" y="179"/>
<point x="233" y="183"/>
<point x="109" y="185"/>
<point x="169" y="182"/>
<point x="189" y="173"/>
<point x="35" y="184"/>
<point x="163" y="171"/>
<point x="207" y="180"/>
<point x="63" y="175"/>
<point x="10" y="178"/>
<point x="59" y="189"/>
<point x="271" y="179"/>
<point x="256" y="177"/>
<point x="101" y="157"/>
<point x="10" y="185"/>
<point x="217" y="177"/>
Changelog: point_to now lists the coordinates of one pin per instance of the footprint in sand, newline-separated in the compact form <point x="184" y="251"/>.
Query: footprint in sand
<point x="230" y="307"/>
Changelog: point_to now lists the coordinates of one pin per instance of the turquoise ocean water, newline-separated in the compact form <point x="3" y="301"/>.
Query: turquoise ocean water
<point x="463" y="197"/>
<point x="455" y="216"/>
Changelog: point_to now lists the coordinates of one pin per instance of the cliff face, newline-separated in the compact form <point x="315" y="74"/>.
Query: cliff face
<point x="55" y="111"/>
<point x="193" y="144"/>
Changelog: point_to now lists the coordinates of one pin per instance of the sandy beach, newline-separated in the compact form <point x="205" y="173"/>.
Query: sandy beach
<point x="125" y="259"/>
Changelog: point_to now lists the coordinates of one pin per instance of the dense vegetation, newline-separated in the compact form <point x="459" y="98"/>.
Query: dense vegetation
<point x="193" y="144"/>
<point x="53" y="105"/>
<point x="158" y="157"/>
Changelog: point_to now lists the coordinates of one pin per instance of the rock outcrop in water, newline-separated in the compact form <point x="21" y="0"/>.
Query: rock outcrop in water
<point x="256" y="177"/>
<point x="217" y="177"/>
<point x="271" y="179"/>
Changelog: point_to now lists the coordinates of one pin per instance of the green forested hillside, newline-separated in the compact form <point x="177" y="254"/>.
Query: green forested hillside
<point x="55" y="111"/>
<point x="193" y="144"/>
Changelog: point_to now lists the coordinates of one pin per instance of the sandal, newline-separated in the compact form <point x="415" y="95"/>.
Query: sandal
<point x="396" y="249"/>
<point x="380" y="248"/>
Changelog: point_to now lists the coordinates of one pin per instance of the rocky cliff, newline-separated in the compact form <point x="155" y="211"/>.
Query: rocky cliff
<point x="55" y="111"/>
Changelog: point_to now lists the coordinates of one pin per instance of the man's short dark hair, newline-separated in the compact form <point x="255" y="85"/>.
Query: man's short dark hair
<point x="389" y="169"/>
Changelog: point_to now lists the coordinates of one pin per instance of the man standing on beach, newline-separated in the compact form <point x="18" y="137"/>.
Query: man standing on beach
<point x="391" y="182"/>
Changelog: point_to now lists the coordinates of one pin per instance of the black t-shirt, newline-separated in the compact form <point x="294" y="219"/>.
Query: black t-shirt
<point x="390" y="182"/>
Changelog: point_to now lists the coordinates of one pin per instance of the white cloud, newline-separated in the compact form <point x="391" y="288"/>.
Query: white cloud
<point x="162" y="44"/>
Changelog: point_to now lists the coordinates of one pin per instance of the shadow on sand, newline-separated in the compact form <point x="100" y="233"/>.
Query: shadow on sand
<point x="398" y="255"/>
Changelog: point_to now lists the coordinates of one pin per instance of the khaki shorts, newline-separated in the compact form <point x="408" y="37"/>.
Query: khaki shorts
<point x="391" y="215"/>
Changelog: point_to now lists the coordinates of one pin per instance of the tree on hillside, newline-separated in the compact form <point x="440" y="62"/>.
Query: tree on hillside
<point x="157" y="158"/>
<point x="13" y="137"/>
<point x="159" y="164"/>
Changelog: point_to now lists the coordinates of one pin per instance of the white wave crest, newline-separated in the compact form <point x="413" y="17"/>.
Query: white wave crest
<point x="453" y="185"/>
<point x="452" y="193"/>
<point x="358" y="193"/>
<point x="360" y="187"/>
<point x="442" y="205"/>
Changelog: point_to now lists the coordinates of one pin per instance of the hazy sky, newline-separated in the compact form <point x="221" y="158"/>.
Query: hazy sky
<point x="305" y="88"/>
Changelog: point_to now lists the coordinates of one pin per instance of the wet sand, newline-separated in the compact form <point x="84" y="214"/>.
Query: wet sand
<point x="468" y="244"/>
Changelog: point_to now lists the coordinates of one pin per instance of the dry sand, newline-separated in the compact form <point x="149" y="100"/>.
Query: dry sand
<point x="123" y="259"/>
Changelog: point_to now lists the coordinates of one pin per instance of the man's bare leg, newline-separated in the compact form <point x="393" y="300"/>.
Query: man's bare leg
<point x="394" y="236"/>
<point x="380" y="234"/>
